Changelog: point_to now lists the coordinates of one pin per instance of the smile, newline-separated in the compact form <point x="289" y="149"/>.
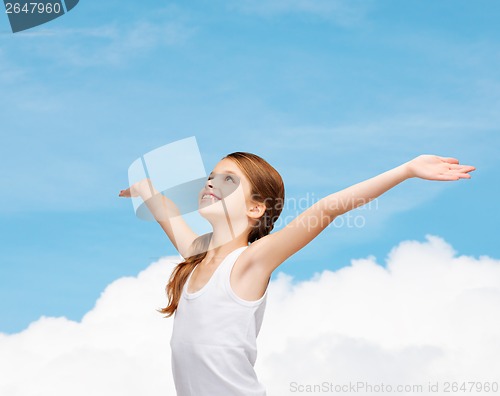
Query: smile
<point x="210" y="196"/>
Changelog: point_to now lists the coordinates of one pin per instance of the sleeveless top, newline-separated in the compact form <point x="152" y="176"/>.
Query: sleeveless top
<point x="214" y="338"/>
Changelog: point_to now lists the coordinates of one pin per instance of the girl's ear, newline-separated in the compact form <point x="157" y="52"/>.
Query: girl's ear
<point x="256" y="210"/>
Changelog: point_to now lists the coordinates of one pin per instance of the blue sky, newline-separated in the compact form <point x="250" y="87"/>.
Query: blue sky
<point x="329" y="92"/>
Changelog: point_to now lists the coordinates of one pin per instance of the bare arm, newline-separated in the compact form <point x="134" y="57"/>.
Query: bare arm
<point x="273" y="249"/>
<point x="165" y="213"/>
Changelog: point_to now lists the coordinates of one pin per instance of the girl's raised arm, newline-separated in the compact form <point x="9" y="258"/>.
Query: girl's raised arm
<point x="273" y="249"/>
<point x="165" y="213"/>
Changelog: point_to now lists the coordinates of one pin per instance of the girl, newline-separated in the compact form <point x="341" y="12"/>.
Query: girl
<point x="218" y="293"/>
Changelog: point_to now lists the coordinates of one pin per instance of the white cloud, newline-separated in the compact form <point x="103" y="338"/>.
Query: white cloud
<point x="429" y="315"/>
<point x="119" y="347"/>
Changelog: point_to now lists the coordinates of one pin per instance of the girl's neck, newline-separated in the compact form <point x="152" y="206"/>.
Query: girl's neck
<point x="224" y="240"/>
<point x="220" y="252"/>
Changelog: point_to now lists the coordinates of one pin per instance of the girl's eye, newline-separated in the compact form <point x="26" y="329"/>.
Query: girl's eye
<point x="229" y="177"/>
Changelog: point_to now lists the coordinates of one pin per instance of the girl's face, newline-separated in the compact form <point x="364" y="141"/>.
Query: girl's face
<point x="226" y="192"/>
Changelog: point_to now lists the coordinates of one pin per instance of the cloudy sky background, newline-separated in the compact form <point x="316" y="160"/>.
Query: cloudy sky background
<point x="428" y="316"/>
<point x="330" y="93"/>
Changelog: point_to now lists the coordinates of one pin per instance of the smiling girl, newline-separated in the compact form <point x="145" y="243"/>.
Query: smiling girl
<point x="218" y="293"/>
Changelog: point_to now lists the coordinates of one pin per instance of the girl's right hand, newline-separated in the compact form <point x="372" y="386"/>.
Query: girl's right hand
<point x="434" y="167"/>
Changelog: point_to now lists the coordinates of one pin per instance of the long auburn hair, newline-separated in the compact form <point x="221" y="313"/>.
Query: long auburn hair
<point x="266" y="187"/>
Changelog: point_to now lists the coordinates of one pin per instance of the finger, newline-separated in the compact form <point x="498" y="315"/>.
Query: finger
<point x="459" y="172"/>
<point x="455" y="176"/>
<point x="450" y="160"/>
<point x="447" y="177"/>
<point x="461" y="168"/>
<point x="457" y="166"/>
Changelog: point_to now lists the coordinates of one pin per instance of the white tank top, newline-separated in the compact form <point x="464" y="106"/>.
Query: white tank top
<point x="214" y="338"/>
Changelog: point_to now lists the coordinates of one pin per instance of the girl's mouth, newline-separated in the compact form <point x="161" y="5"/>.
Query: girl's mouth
<point x="210" y="197"/>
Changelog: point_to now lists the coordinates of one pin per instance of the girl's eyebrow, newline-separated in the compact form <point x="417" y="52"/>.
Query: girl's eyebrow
<point x="227" y="171"/>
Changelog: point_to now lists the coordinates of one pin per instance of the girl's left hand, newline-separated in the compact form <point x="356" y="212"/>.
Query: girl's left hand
<point x="136" y="189"/>
<point x="433" y="167"/>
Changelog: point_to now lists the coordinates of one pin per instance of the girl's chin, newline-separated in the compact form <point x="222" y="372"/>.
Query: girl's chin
<point x="210" y="209"/>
